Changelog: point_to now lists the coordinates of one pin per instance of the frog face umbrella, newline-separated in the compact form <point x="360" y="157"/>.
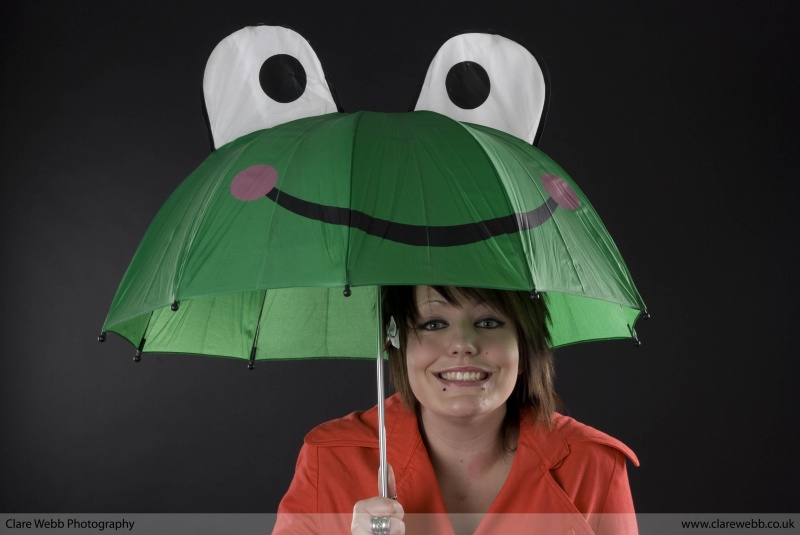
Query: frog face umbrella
<point x="274" y="246"/>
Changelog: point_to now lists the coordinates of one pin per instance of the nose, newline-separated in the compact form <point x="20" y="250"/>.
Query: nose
<point x="463" y="340"/>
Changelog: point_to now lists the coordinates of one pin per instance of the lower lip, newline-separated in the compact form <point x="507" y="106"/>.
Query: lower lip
<point x="462" y="384"/>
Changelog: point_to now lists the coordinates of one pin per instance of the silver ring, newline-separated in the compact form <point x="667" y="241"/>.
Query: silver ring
<point x="380" y="525"/>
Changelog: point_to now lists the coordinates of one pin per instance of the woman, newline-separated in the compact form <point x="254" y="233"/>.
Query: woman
<point x="474" y="441"/>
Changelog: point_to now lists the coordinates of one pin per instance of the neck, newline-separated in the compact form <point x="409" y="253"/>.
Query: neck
<point x="470" y="443"/>
<point x="471" y="463"/>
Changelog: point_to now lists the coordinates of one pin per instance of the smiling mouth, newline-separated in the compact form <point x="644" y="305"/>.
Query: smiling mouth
<point x="260" y="181"/>
<point x="419" y="235"/>
<point x="466" y="377"/>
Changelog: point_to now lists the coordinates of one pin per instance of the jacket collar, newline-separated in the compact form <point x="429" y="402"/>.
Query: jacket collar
<point x="552" y="444"/>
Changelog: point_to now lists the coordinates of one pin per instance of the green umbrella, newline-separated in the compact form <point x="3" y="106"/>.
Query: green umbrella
<point x="274" y="225"/>
<point x="250" y="257"/>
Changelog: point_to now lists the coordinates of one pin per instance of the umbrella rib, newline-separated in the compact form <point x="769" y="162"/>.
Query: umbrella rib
<point x="359" y="116"/>
<point x="140" y="349"/>
<point x="521" y="221"/>
<point x="205" y="200"/>
<point x="254" y="347"/>
<point x="292" y="154"/>
<point x="560" y="234"/>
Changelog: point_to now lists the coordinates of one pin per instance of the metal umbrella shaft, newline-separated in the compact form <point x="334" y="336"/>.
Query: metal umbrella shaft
<point x="383" y="480"/>
<point x="383" y="477"/>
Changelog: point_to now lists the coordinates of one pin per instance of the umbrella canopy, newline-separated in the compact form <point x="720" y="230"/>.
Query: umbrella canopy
<point x="249" y="257"/>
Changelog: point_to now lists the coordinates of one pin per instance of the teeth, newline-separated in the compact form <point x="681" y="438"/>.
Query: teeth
<point x="464" y="376"/>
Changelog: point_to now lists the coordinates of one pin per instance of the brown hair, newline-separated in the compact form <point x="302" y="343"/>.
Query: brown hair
<point x="534" y="390"/>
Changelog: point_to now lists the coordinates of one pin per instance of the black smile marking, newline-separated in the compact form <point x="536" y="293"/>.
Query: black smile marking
<point x="419" y="235"/>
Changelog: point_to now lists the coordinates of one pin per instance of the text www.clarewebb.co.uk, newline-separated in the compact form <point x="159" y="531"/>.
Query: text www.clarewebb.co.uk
<point x="753" y="523"/>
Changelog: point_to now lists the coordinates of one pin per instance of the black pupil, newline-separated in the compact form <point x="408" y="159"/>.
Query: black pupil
<point x="282" y="78"/>
<point x="467" y="85"/>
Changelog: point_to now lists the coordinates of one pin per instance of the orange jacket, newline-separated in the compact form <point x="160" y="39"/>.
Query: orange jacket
<point x="570" y="478"/>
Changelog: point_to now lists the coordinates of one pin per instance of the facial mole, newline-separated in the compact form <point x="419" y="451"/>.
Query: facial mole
<point x="444" y="389"/>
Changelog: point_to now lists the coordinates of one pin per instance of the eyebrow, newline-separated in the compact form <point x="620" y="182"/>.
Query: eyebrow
<point x="448" y="303"/>
<point x="434" y="301"/>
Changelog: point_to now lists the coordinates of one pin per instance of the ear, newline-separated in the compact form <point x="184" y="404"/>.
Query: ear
<point x="262" y="76"/>
<point x="488" y="80"/>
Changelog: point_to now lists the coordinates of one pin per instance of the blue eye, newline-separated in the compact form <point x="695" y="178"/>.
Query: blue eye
<point x="432" y="325"/>
<point x="489" y="323"/>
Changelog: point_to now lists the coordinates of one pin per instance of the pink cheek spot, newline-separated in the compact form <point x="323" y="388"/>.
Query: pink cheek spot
<point x="254" y="182"/>
<point x="561" y="192"/>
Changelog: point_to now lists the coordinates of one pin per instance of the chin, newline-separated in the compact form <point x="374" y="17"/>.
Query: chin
<point x="467" y="407"/>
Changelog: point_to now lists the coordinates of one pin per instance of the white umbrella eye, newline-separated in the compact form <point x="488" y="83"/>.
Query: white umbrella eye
<point x="488" y="80"/>
<point x="262" y="76"/>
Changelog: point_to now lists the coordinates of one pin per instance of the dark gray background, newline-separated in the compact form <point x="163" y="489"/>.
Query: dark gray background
<point x="678" y="120"/>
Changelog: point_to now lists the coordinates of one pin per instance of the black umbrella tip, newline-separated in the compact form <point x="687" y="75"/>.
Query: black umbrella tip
<point x="102" y="337"/>
<point x="637" y="342"/>
<point x="347" y="292"/>
<point x="174" y="306"/>
<point x="251" y="366"/>
<point x="535" y="295"/>
<point x="645" y="314"/>
<point x="137" y="357"/>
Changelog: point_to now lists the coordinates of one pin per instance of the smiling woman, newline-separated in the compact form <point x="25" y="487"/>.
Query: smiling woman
<point x="298" y="202"/>
<point x="461" y="360"/>
<point x="510" y="317"/>
<point x="473" y="437"/>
